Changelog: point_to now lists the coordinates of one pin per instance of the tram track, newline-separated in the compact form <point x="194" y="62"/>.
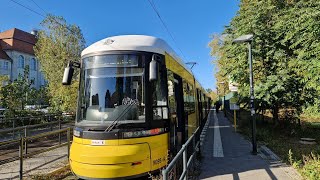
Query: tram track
<point x="10" y="152"/>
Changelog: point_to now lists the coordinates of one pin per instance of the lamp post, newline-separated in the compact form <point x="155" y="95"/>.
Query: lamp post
<point x="248" y="39"/>
<point x="224" y="99"/>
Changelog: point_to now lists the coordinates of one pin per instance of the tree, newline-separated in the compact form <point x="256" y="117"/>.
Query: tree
<point x="214" y="96"/>
<point x="300" y="36"/>
<point x="14" y="95"/>
<point x="58" y="43"/>
<point x="281" y="57"/>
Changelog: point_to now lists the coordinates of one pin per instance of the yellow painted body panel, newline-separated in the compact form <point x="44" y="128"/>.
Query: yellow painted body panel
<point x="108" y="171"/>
<point x="115" y="158"/>
<point x="89" y="154"/>
<point x="175" y="67"/>
<point x="192" y="123"/>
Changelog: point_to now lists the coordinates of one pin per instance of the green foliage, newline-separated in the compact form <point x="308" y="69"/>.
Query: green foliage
<point x="214" y="97"/>
<point x="311" y="168"/>
<point x="286" y="53"/>
<point x="296" y="164"/>
<point x="312" y="110"/>
<point x="3" y="79"/>
<point x="15" y="95"/>
<point x="58" y="43"/>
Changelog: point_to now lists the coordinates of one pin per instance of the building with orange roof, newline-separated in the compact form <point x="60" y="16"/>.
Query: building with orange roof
<point x="16" y="52"/>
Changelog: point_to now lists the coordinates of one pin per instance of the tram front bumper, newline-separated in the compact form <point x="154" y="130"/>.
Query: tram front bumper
<point x="95" y="162"/>
<point x="109" y="171"/>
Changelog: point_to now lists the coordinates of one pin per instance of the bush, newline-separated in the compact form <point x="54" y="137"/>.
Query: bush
<point x="311" y="168"/>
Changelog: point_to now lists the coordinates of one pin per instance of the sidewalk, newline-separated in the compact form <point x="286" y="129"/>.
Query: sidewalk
<point x="39" y="164"/>
<point x="227" y="155"/>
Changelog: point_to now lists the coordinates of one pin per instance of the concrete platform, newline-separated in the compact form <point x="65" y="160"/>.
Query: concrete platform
<point x="227" y="155"/>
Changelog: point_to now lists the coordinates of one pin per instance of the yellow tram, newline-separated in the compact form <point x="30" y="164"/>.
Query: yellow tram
<point x="138" y="103"/>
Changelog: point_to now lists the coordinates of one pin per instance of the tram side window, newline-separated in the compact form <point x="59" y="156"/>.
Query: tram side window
<point x="188" y="98"/>
<point x="185" y="96"/>
<point x="159" y="95"/>
<point x="203" y="104"/>
<point x="191" y="99"/>
<point x="171" y="95"/>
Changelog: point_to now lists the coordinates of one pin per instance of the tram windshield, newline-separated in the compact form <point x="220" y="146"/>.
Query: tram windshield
<point x="112" y="88"/>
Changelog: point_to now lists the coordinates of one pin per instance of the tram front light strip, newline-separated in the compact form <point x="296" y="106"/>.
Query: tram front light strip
<point x="143" y="133"/>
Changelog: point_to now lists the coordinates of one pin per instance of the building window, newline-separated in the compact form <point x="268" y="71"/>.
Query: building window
<point x="6" y="65"/>
<point x="33" y="64"/>
<point x="21" y="61"/>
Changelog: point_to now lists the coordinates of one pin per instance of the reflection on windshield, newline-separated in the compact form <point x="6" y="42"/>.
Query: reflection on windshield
<point x="113" y="93"/>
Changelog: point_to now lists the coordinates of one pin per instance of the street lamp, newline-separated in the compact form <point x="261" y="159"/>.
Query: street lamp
<point x="248" y="39"/>
<point x="224" y="99"/>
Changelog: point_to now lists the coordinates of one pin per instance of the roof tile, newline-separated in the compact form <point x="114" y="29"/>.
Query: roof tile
<point x="16" y="39"/>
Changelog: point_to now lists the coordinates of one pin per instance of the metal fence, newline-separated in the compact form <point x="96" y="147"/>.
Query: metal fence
<point x="25" y="130"/>
<point x="30" y="120"/>
<point x="195" y="141"/>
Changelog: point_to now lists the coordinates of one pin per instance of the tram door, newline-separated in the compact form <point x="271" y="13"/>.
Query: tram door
<point x="175" y="94"/>
<point x="181" y="133"/>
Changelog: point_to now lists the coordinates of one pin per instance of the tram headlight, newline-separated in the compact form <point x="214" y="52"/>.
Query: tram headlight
<point x="77" y="132"/>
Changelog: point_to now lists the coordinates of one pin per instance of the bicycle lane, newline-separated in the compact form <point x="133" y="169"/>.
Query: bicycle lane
<point x="227" y="155"/>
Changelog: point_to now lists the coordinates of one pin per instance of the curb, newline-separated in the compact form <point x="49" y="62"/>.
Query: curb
<point x="204" y="131"/>
<point x="268" y="154"/>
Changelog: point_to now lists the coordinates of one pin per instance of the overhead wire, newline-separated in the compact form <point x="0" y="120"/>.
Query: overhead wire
<point x="44" y="16"/>
<point x="26" y="7"/>
<point x="150" y="2"/>
<point x="164" y="25"/>
<point x="39" y="7"/>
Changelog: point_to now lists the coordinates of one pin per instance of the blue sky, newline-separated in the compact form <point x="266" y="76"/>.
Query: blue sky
<point x="190" y="22"/>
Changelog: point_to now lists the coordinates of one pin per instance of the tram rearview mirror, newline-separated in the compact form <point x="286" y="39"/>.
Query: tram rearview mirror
<point x="67" y="75"/>
<point x="153" y="68"/>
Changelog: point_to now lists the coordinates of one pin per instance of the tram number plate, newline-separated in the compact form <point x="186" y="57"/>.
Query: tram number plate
<point x="98" y="142"/>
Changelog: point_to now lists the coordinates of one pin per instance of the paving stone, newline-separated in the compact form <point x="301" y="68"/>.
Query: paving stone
<point x="40" y="164"/>
<point x="238" y="163"/>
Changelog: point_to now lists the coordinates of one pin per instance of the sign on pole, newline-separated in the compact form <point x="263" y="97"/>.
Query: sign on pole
<point x="233" y="87"/>
<point x="233" y="104"/>
<point x="234" y="107"/>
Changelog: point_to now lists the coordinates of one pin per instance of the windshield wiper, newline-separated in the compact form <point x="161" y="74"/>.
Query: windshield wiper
<point x="115" y="122"/>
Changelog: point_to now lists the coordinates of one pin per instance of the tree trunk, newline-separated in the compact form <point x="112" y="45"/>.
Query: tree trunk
<point x="275" y="115"/>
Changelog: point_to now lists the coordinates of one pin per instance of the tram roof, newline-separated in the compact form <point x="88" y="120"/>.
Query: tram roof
<point x="134" y="43"/>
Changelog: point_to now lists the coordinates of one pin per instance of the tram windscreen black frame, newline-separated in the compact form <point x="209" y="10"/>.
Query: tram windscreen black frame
<point x="150" y="87"/>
